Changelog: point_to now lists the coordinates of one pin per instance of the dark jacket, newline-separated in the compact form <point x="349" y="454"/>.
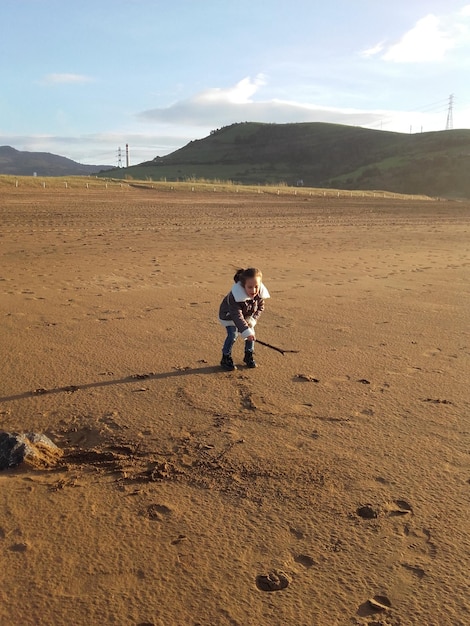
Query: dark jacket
<point x="238" y="309"/>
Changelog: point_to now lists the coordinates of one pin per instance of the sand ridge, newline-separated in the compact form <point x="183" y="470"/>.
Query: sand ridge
<point x="329" y="485"/>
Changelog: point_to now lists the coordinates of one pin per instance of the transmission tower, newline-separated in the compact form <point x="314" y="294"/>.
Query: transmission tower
<point x="450" y="117"/>
<point x="119" y="157"/>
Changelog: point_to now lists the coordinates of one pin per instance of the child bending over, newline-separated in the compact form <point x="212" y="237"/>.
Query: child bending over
<point x="239" y="312"/>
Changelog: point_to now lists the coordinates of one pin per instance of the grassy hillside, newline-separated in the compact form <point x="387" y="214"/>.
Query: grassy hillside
<point x="21" y="163"/>
<point x="320" y="155"/>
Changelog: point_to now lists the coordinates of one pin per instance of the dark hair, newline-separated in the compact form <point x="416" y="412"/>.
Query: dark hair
<point x="250" y="272"/>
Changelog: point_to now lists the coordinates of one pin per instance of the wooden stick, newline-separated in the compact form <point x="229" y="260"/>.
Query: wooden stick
<point x="268" y="345"/>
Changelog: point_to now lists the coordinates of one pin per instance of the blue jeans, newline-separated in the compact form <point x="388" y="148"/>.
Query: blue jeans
<point x="232" y="335"/>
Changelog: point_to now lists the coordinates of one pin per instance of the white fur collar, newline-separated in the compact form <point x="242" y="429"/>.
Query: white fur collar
<point x="240" y="295"/>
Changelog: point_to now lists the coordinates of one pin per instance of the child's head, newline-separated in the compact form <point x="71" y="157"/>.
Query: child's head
<point x="250" y="280"/>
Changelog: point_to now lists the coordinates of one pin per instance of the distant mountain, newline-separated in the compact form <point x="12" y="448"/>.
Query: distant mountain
<point x="321" y="155"/>
<point x="19" y="163"/>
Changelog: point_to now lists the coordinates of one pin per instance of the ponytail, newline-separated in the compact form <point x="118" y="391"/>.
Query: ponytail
<point x="250" y="272"/>
<point x="238" y="275"/>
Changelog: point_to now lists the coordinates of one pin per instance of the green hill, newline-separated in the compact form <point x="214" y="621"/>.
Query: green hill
<point x="21" y="163"/>
<point x="320" y="155"/>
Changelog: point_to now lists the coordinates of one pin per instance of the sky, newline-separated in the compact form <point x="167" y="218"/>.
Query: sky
<point x="83" y="78"/>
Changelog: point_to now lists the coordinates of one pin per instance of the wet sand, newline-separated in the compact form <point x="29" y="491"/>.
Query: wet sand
<point x="291" y="494"/>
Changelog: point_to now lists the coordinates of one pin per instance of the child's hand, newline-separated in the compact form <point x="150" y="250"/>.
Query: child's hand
<point x="250" y="338"/>
<point x="250" y="321"/>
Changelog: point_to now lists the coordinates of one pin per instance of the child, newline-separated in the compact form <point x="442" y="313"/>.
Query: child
<point x="239" y="312"/>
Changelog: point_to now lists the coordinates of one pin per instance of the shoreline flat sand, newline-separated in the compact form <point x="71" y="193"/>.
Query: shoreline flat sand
<point x="292" y="494"/>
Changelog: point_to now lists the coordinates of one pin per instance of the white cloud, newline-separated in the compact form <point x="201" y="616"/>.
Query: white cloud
<point x="426" y="41"/>
<point x="56" y="79"/>
<point x="219" y="107"/>
<point x="370" y="52"/>
<point x="430" y="40"/>
<point x="238" y="94"/>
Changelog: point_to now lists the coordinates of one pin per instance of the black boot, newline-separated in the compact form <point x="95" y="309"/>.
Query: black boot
<point x="227" y="363"/>
<point x="249" y="360"/>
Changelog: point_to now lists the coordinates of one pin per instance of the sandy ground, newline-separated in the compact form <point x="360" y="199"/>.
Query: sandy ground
<point x="187" y="493"/>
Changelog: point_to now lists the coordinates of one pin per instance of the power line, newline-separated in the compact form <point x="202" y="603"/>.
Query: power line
<point x="433" y="107"/>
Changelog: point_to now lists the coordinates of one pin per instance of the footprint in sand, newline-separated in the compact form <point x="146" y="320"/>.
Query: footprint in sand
<point x="19" y="547"/>
<point x="367" y="511"/>
<point x="414" y="570"/>
<point x="398" y="508"/>
<point x="305" y="560"/>
<point x="298" y="534"/>
<point x="306" y="377"/>
<point x="274" y="581"/>
<point x="420" y="542"/>
<point x="178" y="540"/>
<point x="158" y="512"/>
<point x="432" y="352"/>
<point x="376" y="604"/>
<point x="380" y="603"/>
<point x="246" y="399"/>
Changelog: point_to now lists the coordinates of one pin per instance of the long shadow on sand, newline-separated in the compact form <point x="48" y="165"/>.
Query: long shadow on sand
<point x="133" y="378"/>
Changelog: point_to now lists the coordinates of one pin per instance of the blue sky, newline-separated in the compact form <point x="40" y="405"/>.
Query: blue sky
<point x="83" y="78"/>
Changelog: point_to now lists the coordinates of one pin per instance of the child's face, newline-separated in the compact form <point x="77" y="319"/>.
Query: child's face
<point x="252" y="286"/>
